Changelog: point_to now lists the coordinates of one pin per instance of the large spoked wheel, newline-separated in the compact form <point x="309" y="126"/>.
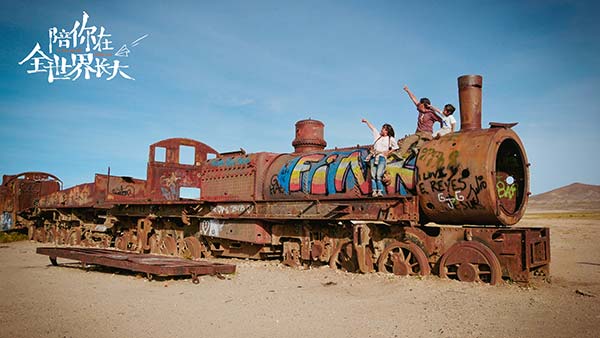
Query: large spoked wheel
<point x="344" y="257"/>
<point x="471" y="262"/>
<point x="165" y="245"/>
<point x="189" y="247"/>
<point x="169" y="246"/>
<point x="403" y="259"/>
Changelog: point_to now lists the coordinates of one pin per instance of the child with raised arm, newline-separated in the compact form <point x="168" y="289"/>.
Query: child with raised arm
<point x="425" y="121"/>
<point x="384" y="142"/>
<point x="448" y="121"/>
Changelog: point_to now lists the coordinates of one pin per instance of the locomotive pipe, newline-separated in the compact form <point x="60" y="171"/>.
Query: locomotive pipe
<point x="469" y="96"/>
<point x="309" y="136"/>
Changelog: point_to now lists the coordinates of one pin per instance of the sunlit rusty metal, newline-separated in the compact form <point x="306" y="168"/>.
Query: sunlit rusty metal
<point x="479" y="177"/>
<point x="23" y="191"/>
<point x="469" y="94"/>
<point x="309" y="136"/>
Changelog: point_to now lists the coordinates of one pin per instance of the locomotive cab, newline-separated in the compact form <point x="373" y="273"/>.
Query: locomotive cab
<point x="172" y="175"/>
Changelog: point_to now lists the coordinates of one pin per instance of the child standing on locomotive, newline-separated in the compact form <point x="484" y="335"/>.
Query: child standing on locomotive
<point x="427" y="118"/>
<point x="384" y="142"/>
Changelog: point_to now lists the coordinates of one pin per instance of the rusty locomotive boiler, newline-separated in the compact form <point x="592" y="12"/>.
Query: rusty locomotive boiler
<point x="314" y="206"/>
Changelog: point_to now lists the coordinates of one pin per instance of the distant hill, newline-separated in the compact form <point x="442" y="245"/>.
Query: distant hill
<point x="576" y="196"/>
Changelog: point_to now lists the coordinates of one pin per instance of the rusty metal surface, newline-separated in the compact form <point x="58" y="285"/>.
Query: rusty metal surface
<point x="231" y="177"/>
<point x="23" y="191"/>
<point x="82" y="195"/>
<point x="237" y="230"/>
<point x="104" y="190"/>
<point x="477" y="177"/>
<point x="366" y="209"/>
<point x="523" y="253"/>
<point x="119" y="188"/>
<point x="309" y="136"/>
<point x="469" y="95"/>
<point x="149" y="264"/>
<point x="166" y="176"/>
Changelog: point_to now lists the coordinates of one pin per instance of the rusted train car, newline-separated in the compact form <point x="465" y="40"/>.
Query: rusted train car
<point x="448" y="209"/>
<point x="21" y="192"/>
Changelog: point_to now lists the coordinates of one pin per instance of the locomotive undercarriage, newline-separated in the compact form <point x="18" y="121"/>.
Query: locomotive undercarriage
<point x="310" y="238"/>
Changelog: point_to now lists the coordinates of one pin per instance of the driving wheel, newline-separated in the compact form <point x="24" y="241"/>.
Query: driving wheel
<point x="471" y="262"/>
<point x="403" y="259"/>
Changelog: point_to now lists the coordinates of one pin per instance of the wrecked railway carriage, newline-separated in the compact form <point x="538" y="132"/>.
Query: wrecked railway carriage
<point x="313" y="206"/>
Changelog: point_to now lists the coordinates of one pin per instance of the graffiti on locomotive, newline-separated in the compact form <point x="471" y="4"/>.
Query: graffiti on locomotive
<point x="453" y="183"/>
<point x="329" y="173"/>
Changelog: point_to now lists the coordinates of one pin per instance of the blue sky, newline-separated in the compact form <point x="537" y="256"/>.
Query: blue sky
<point x="240" y="73"/>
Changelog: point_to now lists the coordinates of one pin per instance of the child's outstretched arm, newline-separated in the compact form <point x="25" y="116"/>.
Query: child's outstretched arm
<point x="372" y="127"/>
<point x="411" y="95"/>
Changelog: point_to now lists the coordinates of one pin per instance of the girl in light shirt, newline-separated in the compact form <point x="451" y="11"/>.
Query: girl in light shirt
<point x="384" y="142"/>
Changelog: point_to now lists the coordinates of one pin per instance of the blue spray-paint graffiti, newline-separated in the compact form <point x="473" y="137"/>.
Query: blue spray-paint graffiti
<point x="229" y="162"/>
<point x="338" y="172"/>
<point x="325" y="173"/>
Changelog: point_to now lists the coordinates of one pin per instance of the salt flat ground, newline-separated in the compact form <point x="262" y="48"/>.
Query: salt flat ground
<point x="264" y="299"/>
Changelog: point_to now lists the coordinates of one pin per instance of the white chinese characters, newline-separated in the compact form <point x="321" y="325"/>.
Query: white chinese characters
<point x="84" y="50"/>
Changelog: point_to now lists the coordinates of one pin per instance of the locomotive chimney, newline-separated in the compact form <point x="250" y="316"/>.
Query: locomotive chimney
<point x="469" y="96"/>
<point x="309" y="136"/>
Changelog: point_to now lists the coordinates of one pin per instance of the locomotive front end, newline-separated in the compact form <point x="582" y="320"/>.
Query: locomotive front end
<point x="474" y="176"/>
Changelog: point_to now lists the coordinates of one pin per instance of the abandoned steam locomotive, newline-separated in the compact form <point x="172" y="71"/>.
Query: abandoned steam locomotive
<point x="313" y="206"/>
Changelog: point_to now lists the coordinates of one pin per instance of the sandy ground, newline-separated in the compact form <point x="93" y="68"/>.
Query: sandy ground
<point x="264" y="299"/>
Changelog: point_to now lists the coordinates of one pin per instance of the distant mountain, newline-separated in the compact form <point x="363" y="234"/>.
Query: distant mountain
<point x="572" y="196"/>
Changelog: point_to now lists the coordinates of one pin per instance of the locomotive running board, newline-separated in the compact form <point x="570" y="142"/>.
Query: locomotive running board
<point x="149" y="264"/>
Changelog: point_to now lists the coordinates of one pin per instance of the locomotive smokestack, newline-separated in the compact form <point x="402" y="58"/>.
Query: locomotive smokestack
<point x="309" y="136"/>
<point x="469" y="96"/>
